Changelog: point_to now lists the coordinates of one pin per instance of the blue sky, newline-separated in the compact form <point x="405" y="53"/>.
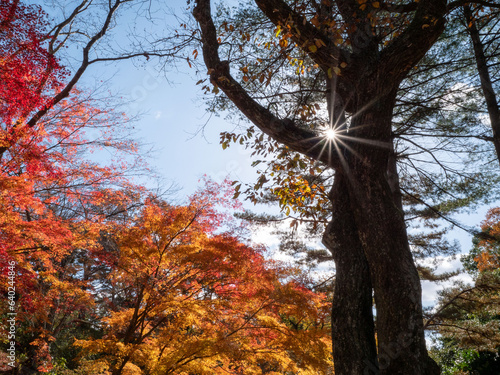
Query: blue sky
<point x="172" y="115"/>
<point x="171" y="106"/>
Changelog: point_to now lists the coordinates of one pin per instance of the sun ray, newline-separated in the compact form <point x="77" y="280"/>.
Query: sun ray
<point x="367" y="141"/>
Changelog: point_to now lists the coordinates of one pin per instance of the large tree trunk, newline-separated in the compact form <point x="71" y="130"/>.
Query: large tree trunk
<point x="353" y="331"/>
<point x="382" y="231"/>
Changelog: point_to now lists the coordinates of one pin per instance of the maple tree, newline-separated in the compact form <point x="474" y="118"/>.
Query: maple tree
<point x="31" y="47"/>
<point x="32" y="237"/>
<point x="56" y="202"/>
<point x="73" y="226"/>
<point x="26" y="67"/>
<point x="184" y="297"/>
<point x="55" y="198"/>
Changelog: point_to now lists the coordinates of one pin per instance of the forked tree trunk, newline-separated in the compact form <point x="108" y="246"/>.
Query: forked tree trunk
<point x="368" y="240"/>
<point x="353" y="331"/>
<point x="382" y="232"/>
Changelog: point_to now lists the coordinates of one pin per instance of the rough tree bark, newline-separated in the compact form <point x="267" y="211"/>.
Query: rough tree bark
<point x="367" y="235"/>
<point x="352" y="314"/>
<point x="382" y="231"/>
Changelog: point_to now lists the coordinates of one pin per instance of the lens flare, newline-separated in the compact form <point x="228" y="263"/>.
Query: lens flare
<point x="331" y="134"/>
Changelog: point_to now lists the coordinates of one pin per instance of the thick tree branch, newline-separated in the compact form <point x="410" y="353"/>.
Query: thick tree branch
<point x="283" y="130"/>
<point x="408" y="48"/>
<point x="304" y="33"/>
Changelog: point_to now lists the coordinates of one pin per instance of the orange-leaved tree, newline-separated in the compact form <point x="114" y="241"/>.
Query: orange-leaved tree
<point x="487" y="250"/>
<point x="188" y="296"/>
<point x="51" y="195"/>
<point x="56" y="202"/>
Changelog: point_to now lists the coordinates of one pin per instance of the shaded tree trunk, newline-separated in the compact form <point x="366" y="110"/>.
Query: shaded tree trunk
<point x="352" y="310"/>
<point x="484" y="75"/>
<point x="382" y="232"/>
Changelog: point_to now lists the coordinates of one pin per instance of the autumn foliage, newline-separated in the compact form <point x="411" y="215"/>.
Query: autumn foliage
<point x="29" y="71"/>
<point x="168" y="289"/>
<point x="55" y="201"/>
<point x="110" y="278"/>
<point x="184" y="297"/>
<point x="487" y="248"/>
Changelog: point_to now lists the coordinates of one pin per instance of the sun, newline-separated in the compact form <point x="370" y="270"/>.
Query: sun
<point x="331" y="134"/>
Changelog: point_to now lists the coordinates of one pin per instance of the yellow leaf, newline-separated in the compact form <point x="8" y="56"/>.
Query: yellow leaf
<point x="283" y="43"/>
<point x="376" y="4"/>
<point x="278" y="31"/>
<point x="313" y="48"/>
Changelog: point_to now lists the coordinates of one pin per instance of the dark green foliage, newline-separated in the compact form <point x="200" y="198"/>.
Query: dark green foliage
<point x="455" y="361"/>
